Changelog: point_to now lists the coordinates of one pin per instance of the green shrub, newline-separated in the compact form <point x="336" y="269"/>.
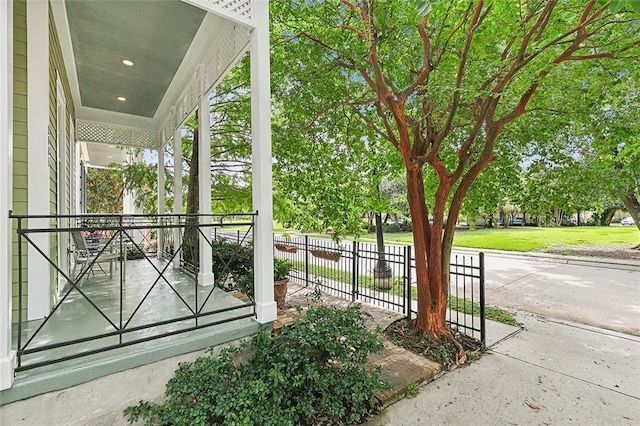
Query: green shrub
<point x="313" y="372"/>
<point x="233" y="266"/>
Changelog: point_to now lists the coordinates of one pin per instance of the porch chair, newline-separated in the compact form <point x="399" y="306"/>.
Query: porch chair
<point x="83" y="255"/>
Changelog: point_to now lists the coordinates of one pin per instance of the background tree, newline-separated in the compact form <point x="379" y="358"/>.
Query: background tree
<point x="614" y="132"/>
<point x="230" y="153"/>
<point x="104" y="191"/>
<point x="440" y="84"/>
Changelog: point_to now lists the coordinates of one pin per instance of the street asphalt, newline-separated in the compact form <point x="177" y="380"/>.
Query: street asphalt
<point x="550" y="373"/>
<point x="597" y="292"/>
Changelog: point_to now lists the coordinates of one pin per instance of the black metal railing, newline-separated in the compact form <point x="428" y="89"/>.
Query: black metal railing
<point x="359" y="272"/>
<point x="140" y="298"/>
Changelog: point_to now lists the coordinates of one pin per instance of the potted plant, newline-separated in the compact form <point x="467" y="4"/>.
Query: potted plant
<point x="281" y="270"/>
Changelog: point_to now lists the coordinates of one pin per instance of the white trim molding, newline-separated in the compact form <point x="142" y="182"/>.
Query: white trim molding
<point x="63" y="183"/>
<point x="39" y="271"/>
<point x="7" y="355"/>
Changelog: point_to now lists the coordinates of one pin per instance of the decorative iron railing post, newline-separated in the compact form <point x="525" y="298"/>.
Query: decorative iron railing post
<point x="483" y="323"/>
<point x="20" y="284"/>
<point x="405" y="302"/>
<point x="354" y="270"/>
<point x="197" y="273"/>
<point x="306" y="260"/>
<point x="408" y="287"/>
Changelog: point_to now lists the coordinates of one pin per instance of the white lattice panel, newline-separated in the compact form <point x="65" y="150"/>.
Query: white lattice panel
<point x="237" y="10"/>
<point x="91" y="131"/>
<point x="234" y="43"/>
<point x="237" y="7"/>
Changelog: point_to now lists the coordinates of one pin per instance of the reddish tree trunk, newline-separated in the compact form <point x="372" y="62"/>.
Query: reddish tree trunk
<point x="427" y="240"/>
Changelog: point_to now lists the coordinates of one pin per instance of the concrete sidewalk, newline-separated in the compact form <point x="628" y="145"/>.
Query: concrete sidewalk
<point x="549" y="373"/>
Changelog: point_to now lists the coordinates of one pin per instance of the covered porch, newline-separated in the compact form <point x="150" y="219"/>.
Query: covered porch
<point x="123" y="81"/>
<point x="120" y="311"/>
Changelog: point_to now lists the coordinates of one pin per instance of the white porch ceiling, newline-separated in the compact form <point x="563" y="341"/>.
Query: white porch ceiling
<point x="101" y="155"/>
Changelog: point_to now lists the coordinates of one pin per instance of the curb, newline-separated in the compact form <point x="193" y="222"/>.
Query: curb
<point x="598" y="262"/>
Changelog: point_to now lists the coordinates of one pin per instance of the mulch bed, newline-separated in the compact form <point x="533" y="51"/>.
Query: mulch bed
<point x="444" y="352"/>
<point x="616" y="252"/>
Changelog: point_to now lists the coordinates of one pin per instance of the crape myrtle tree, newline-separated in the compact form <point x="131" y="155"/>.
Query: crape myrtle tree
<point x="440" y="81"/>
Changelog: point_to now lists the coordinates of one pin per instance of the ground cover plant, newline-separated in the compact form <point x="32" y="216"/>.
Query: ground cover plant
<point x="312" y="372"/>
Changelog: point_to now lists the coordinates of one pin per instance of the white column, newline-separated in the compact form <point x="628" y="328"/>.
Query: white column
<point x="7" y="356"/>
<point x="39" y="269"/>
<point x="177" y="189"/>
<point x="205" y="276"/>
<point x="160" y="233"/>
<point x="261" y="163"/>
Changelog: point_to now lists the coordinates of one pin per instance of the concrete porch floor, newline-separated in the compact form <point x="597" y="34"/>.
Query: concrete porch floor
<point x="105" y="308"/>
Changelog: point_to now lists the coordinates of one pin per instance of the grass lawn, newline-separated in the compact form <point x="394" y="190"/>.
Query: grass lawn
<point x="530" y="238"/>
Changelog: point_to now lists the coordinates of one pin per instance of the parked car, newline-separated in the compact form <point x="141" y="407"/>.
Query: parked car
<point x="627" y="221"/>
<point x="517" y="221"/>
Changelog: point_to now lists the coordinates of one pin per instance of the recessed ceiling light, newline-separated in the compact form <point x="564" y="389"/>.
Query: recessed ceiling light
<point x="121" y="98"/>
<point x="127" y="62"/>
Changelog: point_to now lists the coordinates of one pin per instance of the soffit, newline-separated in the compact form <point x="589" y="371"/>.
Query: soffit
<point x="101" y="155"/>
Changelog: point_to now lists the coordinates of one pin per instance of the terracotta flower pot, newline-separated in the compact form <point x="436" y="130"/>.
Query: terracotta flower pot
<point x="280" y="291"/>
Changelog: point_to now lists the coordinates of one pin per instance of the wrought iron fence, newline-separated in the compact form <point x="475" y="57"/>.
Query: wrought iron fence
<point x="134" y="302"/>
<point x="359" y="272"/>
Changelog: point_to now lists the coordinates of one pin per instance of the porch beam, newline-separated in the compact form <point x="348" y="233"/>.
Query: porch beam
<point x="38" y="198"/>
<point x="261" y="163"/>
<point x="177" y="190"/>
<point x="205" y="275"/>
<point x="7" y="356"/>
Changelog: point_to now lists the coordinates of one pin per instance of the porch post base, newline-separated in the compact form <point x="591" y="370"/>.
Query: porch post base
<point x="7" y="368"/>
<point x="205" y="279"/>
<point x="266" y="312"/>
<point x="62" y="281"/>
